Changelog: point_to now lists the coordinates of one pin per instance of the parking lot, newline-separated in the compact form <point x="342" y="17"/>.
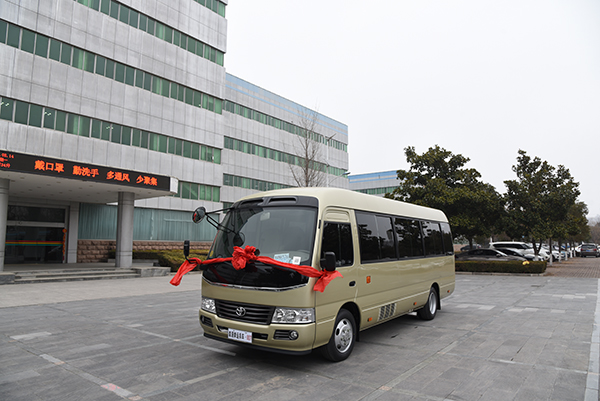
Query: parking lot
<point x="496" y="338"/>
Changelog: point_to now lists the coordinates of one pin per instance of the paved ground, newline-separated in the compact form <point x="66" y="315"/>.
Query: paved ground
<point x="576" y="267"/>
<point x="496" y="338"/>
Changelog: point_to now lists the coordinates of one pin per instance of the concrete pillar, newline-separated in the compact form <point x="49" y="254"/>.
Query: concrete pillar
<point x="124" y="252"/>
<point x="4" y="184"/>
<point x="72" y="233"/>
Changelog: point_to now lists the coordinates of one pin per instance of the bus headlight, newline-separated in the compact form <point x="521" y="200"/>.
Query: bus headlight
<point x="293" y="315"/>
<point x="208" y="304"/>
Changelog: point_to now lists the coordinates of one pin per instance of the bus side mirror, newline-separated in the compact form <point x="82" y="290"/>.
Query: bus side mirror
<point x="199" y="214"/>
<point x="186" y="248"/>
<point x="328" y="262"/>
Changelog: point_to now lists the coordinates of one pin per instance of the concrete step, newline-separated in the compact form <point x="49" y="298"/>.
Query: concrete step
<point x="45" y="276"/>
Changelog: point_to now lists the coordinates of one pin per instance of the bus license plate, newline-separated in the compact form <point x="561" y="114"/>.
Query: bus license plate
<point x="239" y="335"/>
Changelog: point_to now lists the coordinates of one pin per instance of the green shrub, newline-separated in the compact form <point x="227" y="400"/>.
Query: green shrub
<point x="172" y="258"/>
<point x="493" y="266"/>
<point x="175" y="258"/>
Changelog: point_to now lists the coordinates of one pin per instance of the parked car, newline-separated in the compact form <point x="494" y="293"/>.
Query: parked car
<point x="468" y="247"/>
<point x="589" y="250"/>
<point x="487" y="254"/>
<point x="520" y="253"/>
<point x="522" y="246"/>
<point x="545" y="251"/>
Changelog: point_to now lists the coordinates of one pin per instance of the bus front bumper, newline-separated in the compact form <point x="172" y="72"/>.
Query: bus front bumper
<point x="295" y="339"/>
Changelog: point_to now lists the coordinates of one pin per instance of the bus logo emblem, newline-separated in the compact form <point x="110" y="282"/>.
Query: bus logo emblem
<point x="240" y="311"/>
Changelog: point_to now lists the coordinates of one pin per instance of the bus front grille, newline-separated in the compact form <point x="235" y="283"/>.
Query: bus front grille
<point x="259" y="314"/>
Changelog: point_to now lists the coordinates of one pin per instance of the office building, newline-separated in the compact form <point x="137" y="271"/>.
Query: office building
<point x="118" y="118"/>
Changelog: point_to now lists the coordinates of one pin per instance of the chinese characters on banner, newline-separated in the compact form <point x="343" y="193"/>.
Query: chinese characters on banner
<point x="64" y="168"/>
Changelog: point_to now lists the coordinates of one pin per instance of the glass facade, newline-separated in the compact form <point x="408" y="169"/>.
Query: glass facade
<point x="153" y="27"/>
<point x="273" y="154"/>
<point x="90" y="62"/>
<point x="263" y="118"/>
<point x="250" y="183"/>
<point x="100" y="222"/>
<point x="75" y="100"/>
<point x="46" y="117"/>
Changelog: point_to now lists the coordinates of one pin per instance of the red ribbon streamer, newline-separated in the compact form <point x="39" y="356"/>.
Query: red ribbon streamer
<point x="242" y="256"/>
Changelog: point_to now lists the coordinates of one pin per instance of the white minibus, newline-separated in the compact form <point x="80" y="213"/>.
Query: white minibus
<point x="379" y="259"/>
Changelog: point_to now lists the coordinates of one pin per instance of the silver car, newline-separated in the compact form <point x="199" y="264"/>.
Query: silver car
<point x="487" y="254"/>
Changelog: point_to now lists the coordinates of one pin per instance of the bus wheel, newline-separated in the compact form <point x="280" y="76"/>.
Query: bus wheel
<point x="430" y="309"/>
<point x="342" y="340"/>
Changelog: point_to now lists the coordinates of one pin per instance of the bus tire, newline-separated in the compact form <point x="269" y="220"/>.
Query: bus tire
<point x="428" y="311"/>
<point x="342" y="339"/>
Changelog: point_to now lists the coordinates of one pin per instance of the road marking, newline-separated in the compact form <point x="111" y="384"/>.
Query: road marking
<point x="117" y="390"/>
<point x="31" y="336"/>
<point x="15" y="377"/>
<point x="52" y="359"/>
<point x="480" y="307"/>
<point x="182" y="341"/>
<point x="187" y="382"/>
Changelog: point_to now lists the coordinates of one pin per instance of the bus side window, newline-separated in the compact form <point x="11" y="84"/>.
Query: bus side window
<point x="410" y="242"/>
<point x="376" y="237"/>
<point x="447" y="234"/>
<point x="433" y="238"/>
<point x="337" y="238"/>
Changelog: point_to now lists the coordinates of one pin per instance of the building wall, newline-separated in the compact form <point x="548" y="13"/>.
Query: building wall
<point x="378" y="183"/>
<point x="94" y="251"/>
<point x="271" y="138"/>
<point x="105" y="74"/>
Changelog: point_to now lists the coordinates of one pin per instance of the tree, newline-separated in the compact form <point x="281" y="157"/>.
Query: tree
<point x="308" y="170"/>
<point x="576" y="226"/>
<point x="539" y="200"/>
<point x="438" y="179"/>
<point x="593" y="234"/>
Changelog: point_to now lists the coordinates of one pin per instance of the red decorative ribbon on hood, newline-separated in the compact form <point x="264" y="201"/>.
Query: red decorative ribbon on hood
<point x="242" y="256"/>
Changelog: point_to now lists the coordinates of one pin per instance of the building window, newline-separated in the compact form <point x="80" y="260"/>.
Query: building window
<point x="249" y="183"/>
<point x="39" y="116"/>
<point x="111" y="69"/>
<point x="147" y="24"/>
<point x="279" y="124"/>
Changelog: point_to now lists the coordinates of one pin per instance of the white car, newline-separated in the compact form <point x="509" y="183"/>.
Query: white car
<point x="521" y="253"/>
<point x="526" y="248"/>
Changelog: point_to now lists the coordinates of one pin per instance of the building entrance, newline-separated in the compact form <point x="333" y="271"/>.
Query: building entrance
<point x="35" y="235"/>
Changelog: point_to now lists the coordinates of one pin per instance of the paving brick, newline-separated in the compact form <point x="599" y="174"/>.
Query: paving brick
<point x="142" y="339"/>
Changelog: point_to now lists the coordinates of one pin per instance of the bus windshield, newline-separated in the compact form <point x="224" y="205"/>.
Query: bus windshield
<point x="283" y="233"/>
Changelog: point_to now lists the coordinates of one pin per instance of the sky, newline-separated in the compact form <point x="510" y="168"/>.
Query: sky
<point x="479" y="78"/>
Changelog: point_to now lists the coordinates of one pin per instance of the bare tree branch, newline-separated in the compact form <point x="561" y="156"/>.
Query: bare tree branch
<point x="310" y="170"/>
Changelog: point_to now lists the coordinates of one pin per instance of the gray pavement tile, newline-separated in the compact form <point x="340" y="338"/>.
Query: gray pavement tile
<point x="151" y="345"/>
<point x="170" y="396"/>
<point x="526" y="393"/>
<point x="325" y="389"/>
<point x="561" y="393"/>
<point x="456" y="374"/>
<point x="496" y="394"/>
<point x="399" y="396"/>
<point x="530" y="351"/>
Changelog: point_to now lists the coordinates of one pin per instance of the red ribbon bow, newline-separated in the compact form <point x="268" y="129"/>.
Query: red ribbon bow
<point x="242" y="256"/>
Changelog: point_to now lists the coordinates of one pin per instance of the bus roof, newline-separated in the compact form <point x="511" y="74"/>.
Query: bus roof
<point x="358" y="201"/>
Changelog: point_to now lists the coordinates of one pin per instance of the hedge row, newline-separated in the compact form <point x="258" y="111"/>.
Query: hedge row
<point x="476" y="266"/>
<point x="170" y="258"/>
